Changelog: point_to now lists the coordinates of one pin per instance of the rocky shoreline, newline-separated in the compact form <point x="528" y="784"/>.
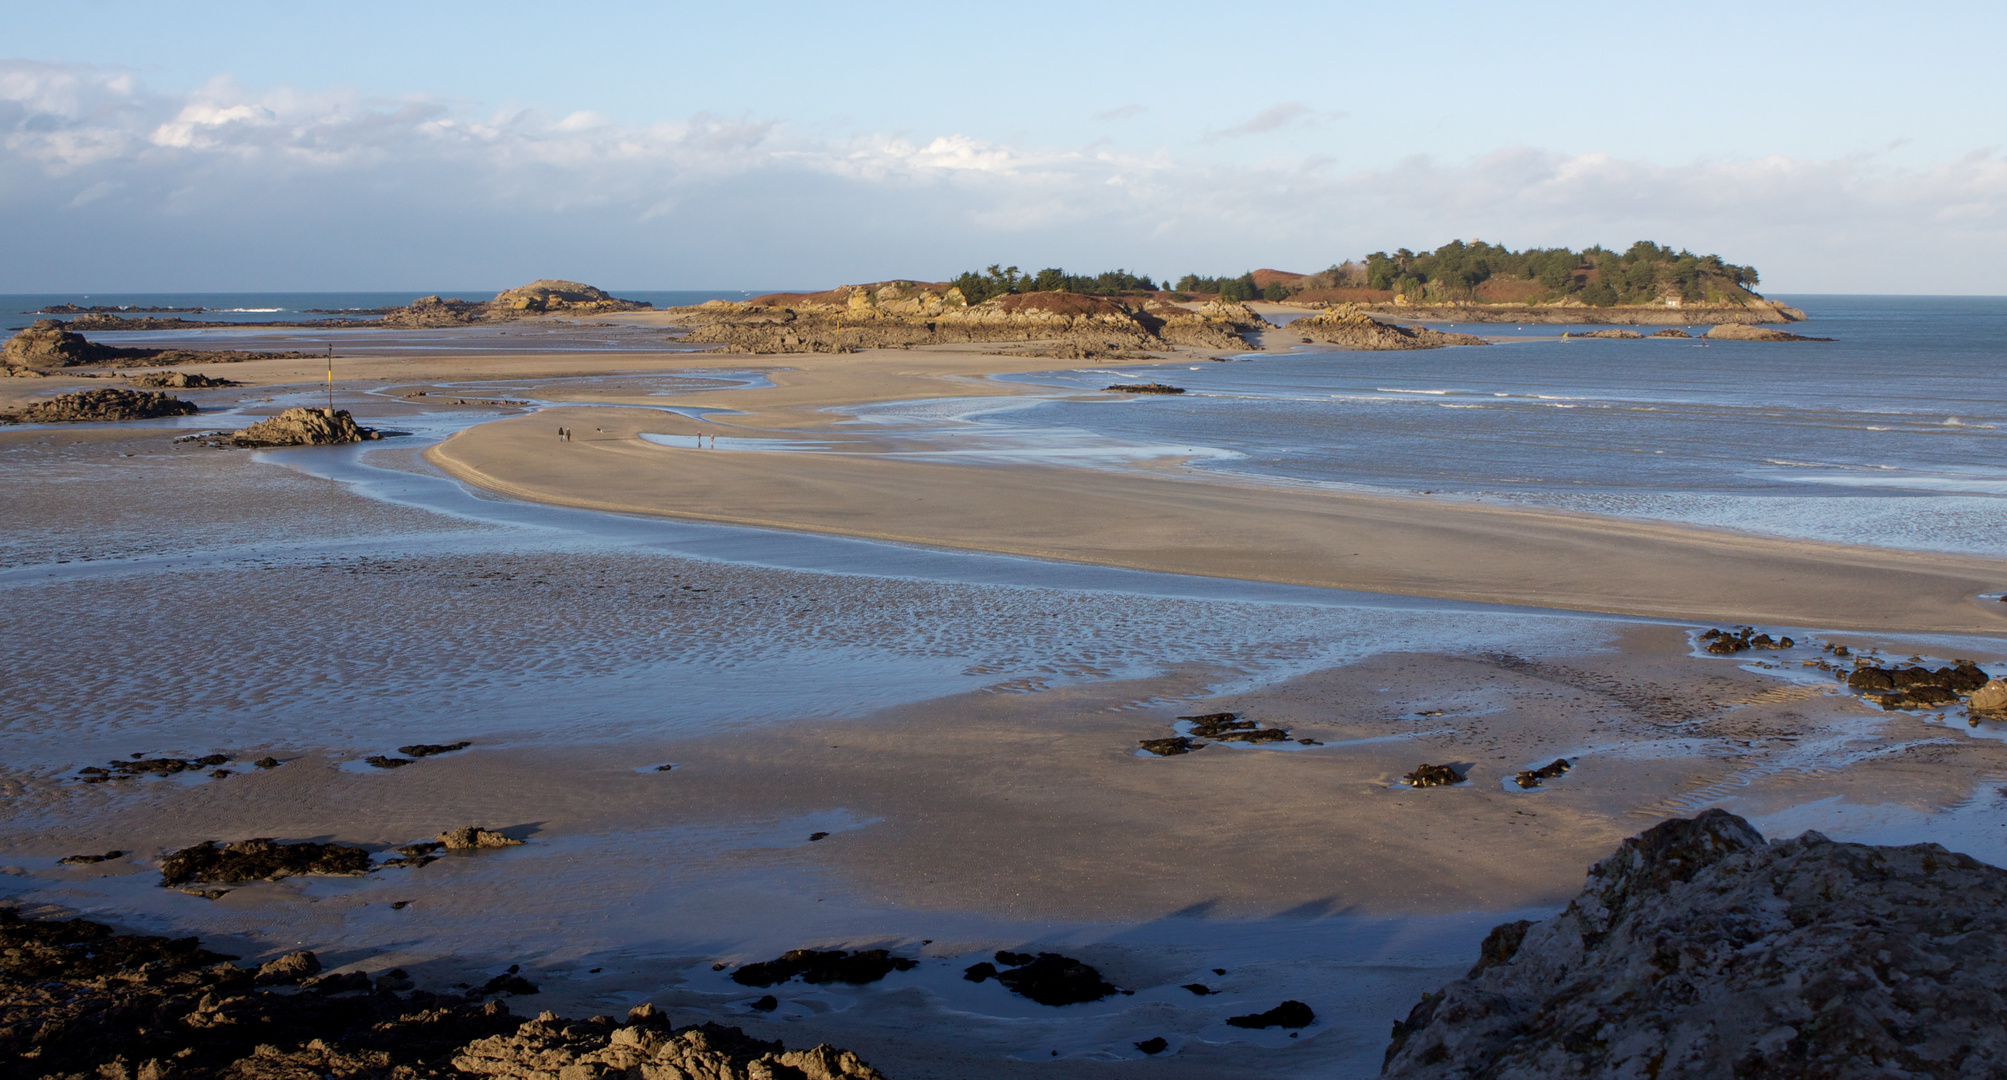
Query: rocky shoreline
<point x="1755" y="311"/>
<point x="81" y="1001"/>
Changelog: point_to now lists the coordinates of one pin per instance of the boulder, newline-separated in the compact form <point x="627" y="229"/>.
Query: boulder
<point x="1700" y="950"/>
<point x="472" y="838"/>
<point x="290" y="968"/>
<point x="1426" y="775"/>
<point x="1047" y="978"/>
<point x="1991" y="697"/>
<point x="101" y="405"/>
<point x="305" y="427"/>
<point x="47" y="344"/>
<point x="825" y="966"/>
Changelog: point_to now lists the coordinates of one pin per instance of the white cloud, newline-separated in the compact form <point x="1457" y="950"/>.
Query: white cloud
<point x="116" y="186"/>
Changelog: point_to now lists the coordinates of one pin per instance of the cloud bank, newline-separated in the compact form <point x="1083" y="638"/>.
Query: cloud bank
<point x="105" y="184"/>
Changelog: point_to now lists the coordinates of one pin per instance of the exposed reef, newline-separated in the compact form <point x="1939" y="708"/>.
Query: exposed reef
<point x="549" y="296"/>
<point x="1744" y="332"/>
<point x="79" y="1000"/>
<point x="825" y="966"/>
<point x="1047" y="978"/>
<point x="113" y="403"/>
<point x="260" y="859"/>
<point x="1349" y="328"/>
<point x="1700" y="950"/>
<point x="47" y="345"/>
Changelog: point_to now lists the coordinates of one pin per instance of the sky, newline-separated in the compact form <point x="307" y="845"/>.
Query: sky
<point x="1837" y="147"/>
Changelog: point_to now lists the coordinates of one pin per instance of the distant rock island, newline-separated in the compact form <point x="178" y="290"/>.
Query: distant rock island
<point x="549" y="296"/>
<point x="47" y="346"/>
<point x="1646" y="284"/>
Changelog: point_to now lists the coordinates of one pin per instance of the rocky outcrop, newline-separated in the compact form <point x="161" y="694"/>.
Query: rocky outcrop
<point x="181" y="380"/>
<point x="129" y="768"/>
<point x="79" y="1000"/>
<point x="1427" y="775"/>
<point x="1529" y="779"/>
<point x="1990" y="699"/>
<point x="1351" y="329"/>
<point x="260" y="859"/>
<point x="1727" y="642"/>
<point x="1671" y="332"/>
<point x="1699" y="950"/>
<point x="824" y="966"/>
<point x="474" y="838"/>
<point x="1616" y="334"/>
<point x="1744" y="332"/>
<point x="101" y="405"/>
<point x="48" y="345"/>
<point x="305" y="427"/>
<point x="1047" y="978"/>
<point x="1914" y="687"/>
<point x="547" y="297"/>
<point x="1146" y="388"/>
<point x="903" y="314"/>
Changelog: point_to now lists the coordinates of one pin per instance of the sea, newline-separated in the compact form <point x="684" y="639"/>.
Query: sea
<point x="1892" y="434"/>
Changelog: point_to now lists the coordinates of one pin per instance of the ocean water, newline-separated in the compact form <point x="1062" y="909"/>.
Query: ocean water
<point x="19" y="309"/>
<point x="1893" y="434"/>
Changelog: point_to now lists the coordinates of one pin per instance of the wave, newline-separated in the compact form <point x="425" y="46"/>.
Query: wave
<point x="1398" y="390"/>
<point x="249" y="310"/>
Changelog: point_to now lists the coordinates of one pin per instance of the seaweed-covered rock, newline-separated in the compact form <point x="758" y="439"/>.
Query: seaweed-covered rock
<point x="419" y="750"/>
<point x="184" y="380"/>
<point x="305" y="427"/>
<point x="1146" y="388"/>
<point x="260" y="859"/>
<point x="1727" y="642"/>
<point x="474" y="838"/>
<point x="1915" y="687"/>
<point x="1171" y="747"/>
<point x="112" y="403"/>
<point x="1426" y="775"/>
<point x="826" y="966"/>
<point x="1231" y="727"/>
<point x="1699" y="950"/>
<point x="1531" y="778"/>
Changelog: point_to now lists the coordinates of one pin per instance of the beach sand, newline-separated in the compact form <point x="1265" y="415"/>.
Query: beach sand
<point x="971" y="751"/>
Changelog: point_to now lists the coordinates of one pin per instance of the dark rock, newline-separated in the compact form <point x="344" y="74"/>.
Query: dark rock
<point x="82" y="860"/>
<point x="1153" y="1046"/>
<point x="1426" y="775"/>
<point x="260" y="860"/>
<point x="1915" y="687"/>
<point x="103" y="405"/>
<point x="1200" y="989"/>
<point x="1146" y="388"/>
<point x="1230" y="727"/>
<point x="1289" y="1014"/>
<point x="1698" y="942"/>
<point x="834" y="965"/>
<point x="382" y="762"/>
<point x="1531" y="778"/>
<point x="1014" y="959"/>
<point x="1171" y="747"/>
<point x="814" y="836"/>
<point x="977" y="972"/>
<point x="767" y="1004"/>
<point x="1048" y="978"/>
<point x="267" y="763"/>
<point x="510" y="983"/>
<point x="419" y="750"/>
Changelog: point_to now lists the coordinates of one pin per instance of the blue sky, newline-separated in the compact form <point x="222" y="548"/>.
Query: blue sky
<point x="1838" y="147"/>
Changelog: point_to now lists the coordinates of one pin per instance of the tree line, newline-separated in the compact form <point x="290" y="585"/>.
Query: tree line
<point x="1001" y="280"/>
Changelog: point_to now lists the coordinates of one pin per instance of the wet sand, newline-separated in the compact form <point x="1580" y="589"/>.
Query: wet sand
<point x="970" y="750"/>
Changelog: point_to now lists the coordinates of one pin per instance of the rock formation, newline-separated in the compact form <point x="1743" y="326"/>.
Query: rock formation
<point x="1744" y="332"/>
<point x="305" y="427"/>
<point x="260" y="860"/>
<point x="826" y="966"/>
<point x="1915" y="687"/>
<point x="1699" y="950"/>
<point x="1351" y="329"/>
<point x="47" y="345"/>
<point x="1618" y="334"/>
<point x="181" y="380"/>
<point x="898" y="314"/>
<point x="546" y="297"/>
<point x="1047" y="978"/>
<point x="79" y="1000"/>
<point x="97" y="405"/>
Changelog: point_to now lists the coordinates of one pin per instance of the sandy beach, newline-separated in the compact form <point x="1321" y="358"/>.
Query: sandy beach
<point x="936" y="761"/>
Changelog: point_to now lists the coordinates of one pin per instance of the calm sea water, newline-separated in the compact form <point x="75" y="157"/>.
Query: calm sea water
<point x="1893" y="434"/>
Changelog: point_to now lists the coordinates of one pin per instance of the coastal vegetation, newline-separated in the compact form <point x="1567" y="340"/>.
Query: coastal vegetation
<point x="1000" y="280"/>
<point x="1460" y="272"/>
